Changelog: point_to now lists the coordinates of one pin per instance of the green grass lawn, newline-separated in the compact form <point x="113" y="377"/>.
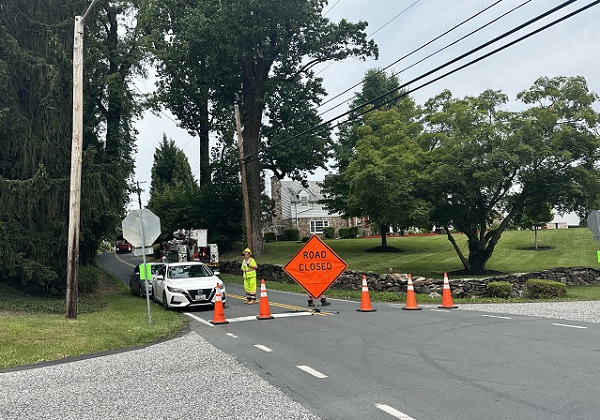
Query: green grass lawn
<point x="35" y="329"/>
<point x="432" y="256"/>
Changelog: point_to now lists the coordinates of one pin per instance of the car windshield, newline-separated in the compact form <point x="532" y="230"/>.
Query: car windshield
<point x="189" y="271"/>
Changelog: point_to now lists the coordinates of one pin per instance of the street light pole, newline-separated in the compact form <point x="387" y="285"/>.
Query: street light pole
<point x="76" y="162"/>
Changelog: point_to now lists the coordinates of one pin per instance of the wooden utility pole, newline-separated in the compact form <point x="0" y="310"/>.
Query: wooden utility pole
<point x="243" y="172"/>
<point x="76" y="161"/>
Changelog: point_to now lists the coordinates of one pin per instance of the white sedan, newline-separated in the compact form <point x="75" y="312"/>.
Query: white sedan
<point x="186" y="284"/>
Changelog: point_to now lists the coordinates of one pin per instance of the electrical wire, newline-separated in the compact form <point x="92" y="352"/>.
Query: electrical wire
<point x="254" y="156"/>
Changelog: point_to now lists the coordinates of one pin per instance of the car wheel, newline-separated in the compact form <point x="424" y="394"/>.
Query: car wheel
<point x="164" y="302"/>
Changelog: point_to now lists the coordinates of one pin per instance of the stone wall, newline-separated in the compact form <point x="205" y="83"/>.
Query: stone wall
<point x="392" y="282"/>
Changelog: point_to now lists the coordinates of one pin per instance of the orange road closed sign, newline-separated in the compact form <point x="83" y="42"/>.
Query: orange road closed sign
<point x="315" y="267"/>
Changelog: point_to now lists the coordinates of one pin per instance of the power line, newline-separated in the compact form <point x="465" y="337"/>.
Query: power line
<point x="462" y="56"/>
<point x="420" y="48"/>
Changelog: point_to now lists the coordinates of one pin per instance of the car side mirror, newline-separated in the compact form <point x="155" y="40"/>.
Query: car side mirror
<point x="216" y="273"/>
<point x="160" y="277"/>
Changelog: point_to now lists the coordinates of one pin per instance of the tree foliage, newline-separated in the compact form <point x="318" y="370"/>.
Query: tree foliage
<point x="36" y="48"/>
<point x="488" y="165"/>
<point x="259" y="54"/>
<point x="474" y="167"/>
<point x="357" y="163"/>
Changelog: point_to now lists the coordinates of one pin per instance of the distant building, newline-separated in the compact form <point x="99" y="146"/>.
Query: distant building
<point x="557" y="225"/>
<point x="297" y="207"/>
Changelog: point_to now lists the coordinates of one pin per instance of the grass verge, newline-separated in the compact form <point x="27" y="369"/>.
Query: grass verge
<point x="35" y="330"/>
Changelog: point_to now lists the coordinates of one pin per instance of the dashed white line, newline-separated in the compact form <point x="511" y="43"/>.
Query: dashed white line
<point x="568" y="325"/>
<point x="231" y="335"/>
<point x="263" y="348"/>
<point x="497" y="316"/>
<point x="313" y="372"/>
<point x="393" y="412"/>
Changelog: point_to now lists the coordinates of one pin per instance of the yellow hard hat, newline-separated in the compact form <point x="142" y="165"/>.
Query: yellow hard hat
<point x="247" y="250"/>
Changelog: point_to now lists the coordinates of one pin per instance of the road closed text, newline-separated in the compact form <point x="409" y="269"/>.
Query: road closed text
<point x="314" y="261"/>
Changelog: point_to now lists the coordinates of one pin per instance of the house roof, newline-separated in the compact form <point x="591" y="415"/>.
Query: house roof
<point x="293" y="189"/>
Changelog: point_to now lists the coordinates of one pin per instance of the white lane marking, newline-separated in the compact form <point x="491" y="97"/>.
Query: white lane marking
<point x="199" y="319"/>
<point x="497" y="316"/>
<point x="249" y="318"/>
<point x="242" y="318"/>
<point x="441" y="310"/>
<point x="231" y="335"/>
<point x="263" y="348"/>
<point x="313" y="372"/>
<point x="393" y="412"/>
<point x="292" y="314"/>
<point x="567" y="325"/>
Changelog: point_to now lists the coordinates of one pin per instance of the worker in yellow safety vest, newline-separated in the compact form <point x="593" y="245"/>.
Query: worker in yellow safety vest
<point x="249" y="275"/>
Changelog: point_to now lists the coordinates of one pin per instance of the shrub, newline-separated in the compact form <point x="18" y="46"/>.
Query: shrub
<point x="291" y="234"/>
<point x="305" y="239"/>
<point x="545" y="289"/>
<point x="348" y="233"/>
<point x="329" y="232"/>
<point x="269" y="237"/>
<point x="224" y="242"/>
<point x="499" y="289"/>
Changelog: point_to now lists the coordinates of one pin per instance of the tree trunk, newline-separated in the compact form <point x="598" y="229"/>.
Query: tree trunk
<point x="252" y="120"/>
<point x="384" y="231"/>
<point x="463" y="260"/>
<point x="205" y="179"/>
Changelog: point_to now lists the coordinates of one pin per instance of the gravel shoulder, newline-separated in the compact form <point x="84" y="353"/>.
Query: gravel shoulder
<point x="584" y="311"/>
<point x="183" y="378"/>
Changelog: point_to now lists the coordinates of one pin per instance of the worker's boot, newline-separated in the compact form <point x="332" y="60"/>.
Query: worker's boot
<point x="311" y="303"/>
<point x="325" y="302"/>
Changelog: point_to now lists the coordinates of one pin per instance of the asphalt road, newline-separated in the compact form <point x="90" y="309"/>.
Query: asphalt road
<point x="532" y="361"/>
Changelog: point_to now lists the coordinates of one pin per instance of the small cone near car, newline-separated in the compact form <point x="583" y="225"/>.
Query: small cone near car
<point x="411" y="300"/>
<point x="447" y="295"/>
<point x="264" y="311"/>
<point x="219" y="315"/>
<point x="365" y="301"/>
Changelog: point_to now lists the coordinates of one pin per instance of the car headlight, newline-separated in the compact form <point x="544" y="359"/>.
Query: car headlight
<point x="175" y="289"/>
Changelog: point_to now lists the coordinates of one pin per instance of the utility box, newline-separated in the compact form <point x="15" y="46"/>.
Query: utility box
<point x="200" y="236"/>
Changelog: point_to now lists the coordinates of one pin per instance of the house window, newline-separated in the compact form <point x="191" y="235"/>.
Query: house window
<point x="304" y="201"/>
<point x="316" y="226"/>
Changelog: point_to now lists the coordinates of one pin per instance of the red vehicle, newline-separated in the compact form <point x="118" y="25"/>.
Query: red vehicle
<point x="123" y="246"/>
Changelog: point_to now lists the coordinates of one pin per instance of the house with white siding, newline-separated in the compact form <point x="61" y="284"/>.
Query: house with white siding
<point x="296" y="206"/>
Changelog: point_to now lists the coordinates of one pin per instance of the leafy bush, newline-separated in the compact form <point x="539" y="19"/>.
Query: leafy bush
<point x="348" y="233"/>
<point x="269" y="237"/>
<point x="499" y="289"/>
<point x="545" y="289"/>
<point x="291" y="234"/>
<point x="329" y="232"/>
<point x="224" y="242"/>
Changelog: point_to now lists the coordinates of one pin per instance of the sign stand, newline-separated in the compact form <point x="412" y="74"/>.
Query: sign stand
<point x="134" y="228"/>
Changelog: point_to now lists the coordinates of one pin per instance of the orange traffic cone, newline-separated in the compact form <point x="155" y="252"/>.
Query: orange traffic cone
<point x="264" y="311"/>
<point x="411" y="300"/>
<point x="219" y="315"/>
<point x="447" y="295"/>
<point x="365" y="301"/>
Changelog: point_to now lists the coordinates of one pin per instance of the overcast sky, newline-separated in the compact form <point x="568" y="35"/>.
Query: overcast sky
<point x="399" y="27"/>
